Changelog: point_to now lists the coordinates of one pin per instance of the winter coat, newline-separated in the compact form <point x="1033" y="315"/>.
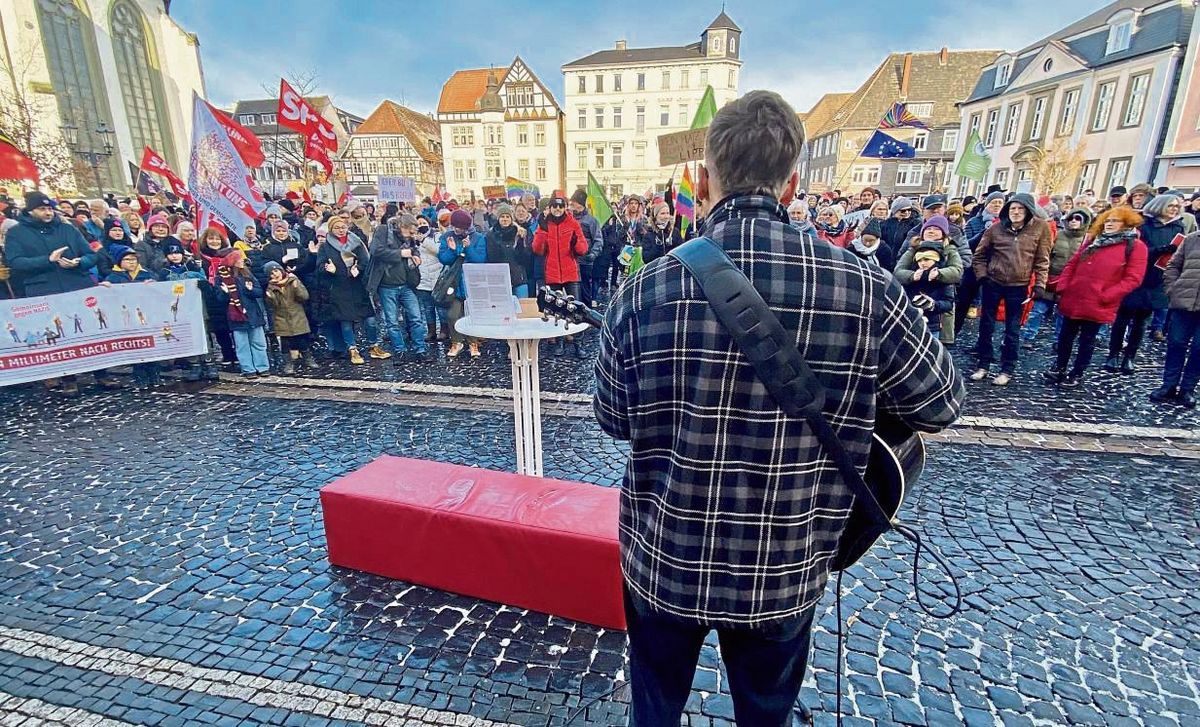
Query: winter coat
<point x="619" y="232"/>
<point x="27" y="249"/>
<point x="950" y="267"/>
<point x="302" y="263"/>
<point x="655" y="242"/>
<point x="287" y="307"/>
<point x="591" y="230"/>
<point x="208" y="262"/>
<point x="1182" y="277"/>
<point x="895" y="231"/>
<point x="975" y="227"/>
<point x="504" y="246"/>
<point x="882" y="256"/>
<point x="389" y="267"/>
<point x="474" y="251"/>
<point x="1065" y="246"/>
<point x="561" y="242"/>
<point x="431" y="267"/>
<point x="1159" y="239"/>
<point x="251" y="295"/>
<point x="1011" y="257"/>
<point x="1095" y="281"/>
<point x="118" y="276"/>
<point x="940" y="292"/>
<point x="150" y="251"/>
<point x="957" y="236"/>
<point x="341" y="295"/>
<point x="839" y="236"/>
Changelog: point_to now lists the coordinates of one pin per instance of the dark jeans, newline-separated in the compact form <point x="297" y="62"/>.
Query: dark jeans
<point x="1086" y="332"/>
<point x="1133" y="321"/>
<point x="225" y="341"/>
<point x="399" y="301"/>
<point x="1183" y="344"/>
<point x="1014" y="299"/>
<point x="587" y="285"/>
<point x="968" y="290"/>
<point x="433" y="314"/>
<point x="765" y="668"/>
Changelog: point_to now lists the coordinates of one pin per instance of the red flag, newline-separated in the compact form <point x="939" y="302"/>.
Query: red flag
<point x="249" y="148"/>
<point x="205" y="220"/>
<point x="14" y="164"/>
<point x="299" y="115"/>
<point x="153" y="162"/>
<point x="344" y="197"/>
<point x="437" y="193"/>
<point x="307" y="197"/>
<point x="316" y="150"/>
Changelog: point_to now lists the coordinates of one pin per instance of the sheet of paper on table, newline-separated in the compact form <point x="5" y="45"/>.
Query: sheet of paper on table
<point x="489" y="293"/>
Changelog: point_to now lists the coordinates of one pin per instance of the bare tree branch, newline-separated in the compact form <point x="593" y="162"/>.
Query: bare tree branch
<point x="1058" y="166"/>
<point x="24" y="111"/>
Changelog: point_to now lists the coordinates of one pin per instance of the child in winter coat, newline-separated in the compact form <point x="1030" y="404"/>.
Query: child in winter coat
<point x="243" y="297"/>
<point x="178" y="266"/>
<point x="128" y="269"/>
<point x="927" y="290"/>
<point x="286" y="296"/>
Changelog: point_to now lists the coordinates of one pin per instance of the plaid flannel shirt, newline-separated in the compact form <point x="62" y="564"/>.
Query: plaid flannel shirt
<point x="730" y="510"/>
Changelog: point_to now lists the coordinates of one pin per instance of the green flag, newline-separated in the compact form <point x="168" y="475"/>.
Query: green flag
<point x="974" y="162"/>
<point x="596" y="201"/>
<point x="707" y="110"/>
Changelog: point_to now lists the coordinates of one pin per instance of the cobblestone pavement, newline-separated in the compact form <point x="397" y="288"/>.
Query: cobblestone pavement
<point x="162" y="561"/>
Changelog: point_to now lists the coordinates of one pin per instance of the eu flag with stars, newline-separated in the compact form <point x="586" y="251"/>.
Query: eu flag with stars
<point x="882" y="146"/>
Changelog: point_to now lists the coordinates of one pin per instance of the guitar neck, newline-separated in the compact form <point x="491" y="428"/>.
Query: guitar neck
<point x="593" y="319"/>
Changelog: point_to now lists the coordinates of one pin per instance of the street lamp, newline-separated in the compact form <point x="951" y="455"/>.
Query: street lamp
<point x="99" y="146"/>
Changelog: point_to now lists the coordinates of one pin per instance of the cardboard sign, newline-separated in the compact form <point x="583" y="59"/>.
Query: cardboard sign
<point x="681" y="146"/>
<point x="397" y="189"/>
<point x="493" y="191"/>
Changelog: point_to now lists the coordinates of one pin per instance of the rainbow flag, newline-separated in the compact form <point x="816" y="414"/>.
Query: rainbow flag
<point x="514" y="187"/>
<point x="899" y="116"/>
<point x="685" y="202"/>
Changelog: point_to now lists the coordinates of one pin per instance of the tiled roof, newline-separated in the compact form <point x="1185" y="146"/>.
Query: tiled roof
<point x="464" y="88"/>
<point x="723" y="21"/>
<point x="944" y="84"/>
<point x="392" y="118"/>
<point x="639" y="55"/>
<point x="822" y="111"/>
<point x="1156" y="31"/>
<point x="271" y="105"/>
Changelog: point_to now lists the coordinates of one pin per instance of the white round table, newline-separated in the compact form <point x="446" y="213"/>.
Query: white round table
<point x="523" y="336"/>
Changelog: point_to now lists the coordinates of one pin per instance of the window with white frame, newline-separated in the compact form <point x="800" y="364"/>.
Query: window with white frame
<point x="539" y="135"/>
<point x="1002" y="178"/>
<point x="1135" y="100"/>
<point x="599" y="156"/>
<point x="492" y="167"/>
<point x="947" y="172"/>
<point x="864" y="174"/>
<point x="664" y="115"/>
<point x="683" y="115"/>
<point x="616" y="82"/>
<point x="1037" y="118"/>
<point x="472" y="170"/>
<point x="1118" y="170"/>
<point x="618" y="111"/>
<point x="920" y="140"/>
<point x="495" y="133"/>
<point x="1010" y="124"/>
<point x="989" y="134"/>
<point x="582" y="83"/>
<point x="1002" y="72"/>
<point x="1070" y="109"/>
<point x="599" y="117"/>
<point x="922" y="110"/>
<point x="581" y="156"/>
<point x="1120" y="32"/>
<point x="949" y="139"/>
<point x="640" y="119"/>
<point x="1103" y="108"/>
<point x="639" y="154"/>
<point x="582" y="118"/>
<point x="523" y="168"/>
<point x="733" y="79"/>
<point x="462" y="136"/>
<point x="246" y="119"/>
<point x="599" y="83"/>
<point x="703" y="77"/>
<point x="684" y="79"/>
<point x="459" y="171"/>
<point x="1087" y="176"/>
<point x="617" y="151"/>
<point x="641" y="82"/>
<point x="268" y="119"/>
<point x="523" y="136"/>
<point x="540" y="168"/>
<point x="910" y="175"/>
<point x="666" y="80"/>
<point x="973" y="124"/>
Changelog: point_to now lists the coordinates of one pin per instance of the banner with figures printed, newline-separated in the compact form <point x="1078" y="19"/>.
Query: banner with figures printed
<point x="95" y="328"/>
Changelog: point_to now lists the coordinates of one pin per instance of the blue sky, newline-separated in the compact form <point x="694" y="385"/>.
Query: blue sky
<point x="367" y="50"/>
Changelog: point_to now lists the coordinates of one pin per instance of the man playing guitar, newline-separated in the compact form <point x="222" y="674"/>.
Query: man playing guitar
<point x="731" y="509"/>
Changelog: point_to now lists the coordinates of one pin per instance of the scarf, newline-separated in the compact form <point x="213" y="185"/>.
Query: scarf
<point x="1107" y="239"/>
<point x="346" y="245"/>
<point x="507" y="235"/>
<point x="862" y="249"/>
<point x="834" y="230"/>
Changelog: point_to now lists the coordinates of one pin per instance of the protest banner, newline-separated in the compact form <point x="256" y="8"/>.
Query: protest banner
<point x="494" y="191"/>
<point x="95" y="328"/>
<point x="681" y="146"/>
<point x="397" y="189"/>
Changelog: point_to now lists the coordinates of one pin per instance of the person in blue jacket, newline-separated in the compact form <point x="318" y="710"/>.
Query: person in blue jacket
<point x="128" y="269"/>
<point x="461" y="241"/>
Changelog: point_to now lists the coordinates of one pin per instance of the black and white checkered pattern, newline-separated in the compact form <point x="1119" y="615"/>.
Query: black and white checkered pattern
<point x="730" y="511"/>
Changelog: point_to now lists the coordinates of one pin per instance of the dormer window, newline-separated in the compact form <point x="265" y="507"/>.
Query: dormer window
<point x="733" y="45"/>
<point x="1120" y="32"/>
<point x="716" y="44"/>
<point x="1002" y="72"/>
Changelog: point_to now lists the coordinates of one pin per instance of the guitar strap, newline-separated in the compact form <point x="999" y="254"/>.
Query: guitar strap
<point x="776" y="360"/>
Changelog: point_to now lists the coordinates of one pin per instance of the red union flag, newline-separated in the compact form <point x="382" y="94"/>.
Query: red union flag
<point x="299" y="115"/>
<point x="153" y="162"/>
<point x="249" y="148"/>
<point x="317" y="151"/>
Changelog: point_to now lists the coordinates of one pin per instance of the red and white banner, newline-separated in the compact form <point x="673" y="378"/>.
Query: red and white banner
<point x="248" y="146"/>
<point x="153" y="162"/>
<point x="220" y="182"/>
<point x="299" y="115"/>
<point x="95" y="328"/>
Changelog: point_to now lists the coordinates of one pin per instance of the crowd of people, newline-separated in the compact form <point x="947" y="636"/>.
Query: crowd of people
<point x="363" y="282"/>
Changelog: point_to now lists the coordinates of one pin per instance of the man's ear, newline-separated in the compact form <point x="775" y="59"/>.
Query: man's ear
<point x="702" y="188"/>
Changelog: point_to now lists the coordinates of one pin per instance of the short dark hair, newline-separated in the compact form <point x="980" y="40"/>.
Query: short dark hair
<point x="754" y="143"/>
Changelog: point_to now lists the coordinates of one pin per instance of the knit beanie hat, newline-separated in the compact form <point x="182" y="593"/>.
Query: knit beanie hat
<point x="173" y="247"/>
<point x="900" y="203"/>
<point x="271" y="265"/>
<point x="233" y="258"/>
<point x="955" y="207"/>
<point x="838" y="211"/>
<point x="121" y="251"/>
<point x="504" y="208"/>
<point x="460" y="219"/>
<point x="927" y="254"/>
<point x="939" y="222"/>
<point x="579" y="197"/>
<point x="994" y="195"/>
<point x="158" y="219"/>
<point x="873" y="228"/>
<point x="111" y="223"/>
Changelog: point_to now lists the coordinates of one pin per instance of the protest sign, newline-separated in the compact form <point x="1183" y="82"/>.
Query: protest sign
<point x="397" y="189"/>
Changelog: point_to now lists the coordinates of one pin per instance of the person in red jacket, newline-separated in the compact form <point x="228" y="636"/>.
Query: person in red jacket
<point x="560" y="240"/>
<point x="1109" y="264"/>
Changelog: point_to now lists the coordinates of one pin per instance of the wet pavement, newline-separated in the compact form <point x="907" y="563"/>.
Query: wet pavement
<point x="162" y="561"/>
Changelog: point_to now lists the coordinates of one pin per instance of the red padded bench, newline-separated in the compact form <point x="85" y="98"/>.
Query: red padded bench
<point x="541" y="544"/>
